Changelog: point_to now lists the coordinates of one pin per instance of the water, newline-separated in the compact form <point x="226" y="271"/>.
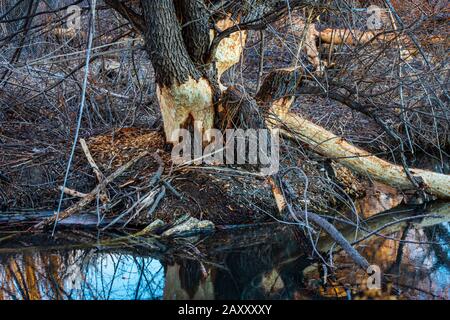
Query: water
<point x="80" y="275"/>
<point x="270" y="262"/>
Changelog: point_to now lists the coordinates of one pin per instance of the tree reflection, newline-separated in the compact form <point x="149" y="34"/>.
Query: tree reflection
<point x="80" y="275"/>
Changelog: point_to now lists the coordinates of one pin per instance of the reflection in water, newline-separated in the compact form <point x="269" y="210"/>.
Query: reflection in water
<point x="419" y="271"/>
<point x="260" y="263"/>
<point x="262" y="268"/>
<point x="80" y="275"/>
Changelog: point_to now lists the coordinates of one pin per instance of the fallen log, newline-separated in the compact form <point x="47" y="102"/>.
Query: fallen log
<point x="350" y="37"/>
<point x="336" y="148"/>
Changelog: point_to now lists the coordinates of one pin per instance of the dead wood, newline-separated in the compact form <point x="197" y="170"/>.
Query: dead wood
<point x="288" y="210"/>
<point x="361" y="161"/>
<point x="73" y="193"/>
<point x="90" y="196"/>
<point x="100" y="177"/>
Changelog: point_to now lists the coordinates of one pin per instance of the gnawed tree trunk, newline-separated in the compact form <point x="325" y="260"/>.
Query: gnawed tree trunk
<point x="185" y="94"/>
<point x="188" y="88"/>
<point x="230" y="49"/>
<point x="312" y="52"/>
<point x="187" y="84"/>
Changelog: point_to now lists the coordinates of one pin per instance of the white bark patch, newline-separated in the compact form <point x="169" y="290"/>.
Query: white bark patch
<point x="178" y="102"/>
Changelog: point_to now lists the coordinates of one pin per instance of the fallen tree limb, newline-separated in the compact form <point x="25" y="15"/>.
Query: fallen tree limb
<point x="71" y="192"/>
<point x="277" y="95"/>
<point x="90" y="196"/>
<point x="100" y="177"/>
<point x="329" y="145"/>
<point x="90" y="159"/>
<point x="284" y="206"/>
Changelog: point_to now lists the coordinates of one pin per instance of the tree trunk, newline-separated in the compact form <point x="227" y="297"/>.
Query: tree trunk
<point x="185" y="94"/>
<point x="187" y="85"/>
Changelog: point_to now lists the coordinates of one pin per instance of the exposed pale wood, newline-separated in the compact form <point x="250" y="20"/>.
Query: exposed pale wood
<point x="310" y="47"/>
<point x="73" y="193"/>
<point x="100" y="177"/>
<point x="361" y="161"/>
<point x="354" y="37"/>
<point x="347" y="36"/>
<point x="181" y="103"/>
<point x="230" y="49"/>
<point x="278" y="195"/>
<point x="91" y="161"/>
<point x="279" y="98"/>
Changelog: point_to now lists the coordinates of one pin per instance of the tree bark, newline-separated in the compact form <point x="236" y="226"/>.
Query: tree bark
<point x="185" y="95"/>
<point x="194" y="18"/>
